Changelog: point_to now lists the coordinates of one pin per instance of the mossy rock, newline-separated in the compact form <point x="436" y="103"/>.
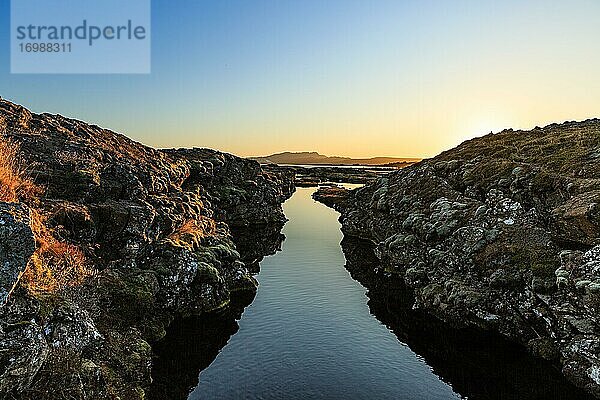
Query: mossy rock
<point x="224" y="252"/>
<point x="48" y="303"/>
<point x="131" y="301"/>
<point x="208" y="273"/>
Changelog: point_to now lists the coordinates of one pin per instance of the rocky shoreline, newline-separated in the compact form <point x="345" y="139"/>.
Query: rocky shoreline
<point x="477" y="364"/>
<point x="500" y="234"/>
<point x="159" y="234"/>
<point x="316" y="175"/>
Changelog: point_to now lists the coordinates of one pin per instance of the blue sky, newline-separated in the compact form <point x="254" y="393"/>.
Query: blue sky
<point x="346" y="77"/>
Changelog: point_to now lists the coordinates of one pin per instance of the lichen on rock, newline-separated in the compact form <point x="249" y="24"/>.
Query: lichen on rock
<point x="155" y="228"/>
<point x="500" y="233"/>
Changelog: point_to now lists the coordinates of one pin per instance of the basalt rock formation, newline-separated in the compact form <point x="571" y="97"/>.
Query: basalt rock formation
<point x="501" y="233"/>
<point x="156" y="232"/>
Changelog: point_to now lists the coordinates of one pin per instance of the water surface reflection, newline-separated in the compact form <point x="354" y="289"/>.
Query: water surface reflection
<point x="311" y="333"/>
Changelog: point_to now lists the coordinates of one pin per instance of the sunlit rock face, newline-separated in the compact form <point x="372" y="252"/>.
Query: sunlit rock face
<point x="499" y="233"/>
<point x="154" y="226"/>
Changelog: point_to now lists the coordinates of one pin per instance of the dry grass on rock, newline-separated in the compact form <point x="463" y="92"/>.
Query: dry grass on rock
<point x="54" y="264"/>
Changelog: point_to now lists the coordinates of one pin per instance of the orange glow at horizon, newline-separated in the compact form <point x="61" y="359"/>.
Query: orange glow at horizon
<point x="399" y="78"/>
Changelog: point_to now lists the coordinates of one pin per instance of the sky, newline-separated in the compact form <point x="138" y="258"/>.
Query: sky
<point x="359" y="78"/>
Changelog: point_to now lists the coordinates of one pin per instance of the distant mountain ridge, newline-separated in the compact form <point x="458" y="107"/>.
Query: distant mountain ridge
<point x="314" y="158"/>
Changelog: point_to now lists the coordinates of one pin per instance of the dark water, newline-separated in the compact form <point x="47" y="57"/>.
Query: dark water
<point x="313" y="333"/>
<point x="309" y="333"/>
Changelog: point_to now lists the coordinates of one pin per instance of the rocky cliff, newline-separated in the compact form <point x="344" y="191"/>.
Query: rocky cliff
<point x="116" y="241"/>
<point x="501" y="234"/>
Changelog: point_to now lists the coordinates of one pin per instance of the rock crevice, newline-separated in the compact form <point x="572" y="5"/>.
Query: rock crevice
<point x="157" y="230"/>
<point x="501" y="233"/>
